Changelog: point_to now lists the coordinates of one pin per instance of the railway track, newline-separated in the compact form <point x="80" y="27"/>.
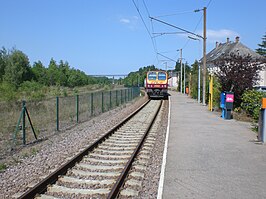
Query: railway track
<point x="100" y="170"/>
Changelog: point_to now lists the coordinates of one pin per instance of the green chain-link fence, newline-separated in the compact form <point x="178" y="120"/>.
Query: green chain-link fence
<point x="56" y="114"/>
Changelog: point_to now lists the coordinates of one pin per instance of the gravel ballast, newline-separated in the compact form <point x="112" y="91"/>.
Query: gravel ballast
<point x="42" y="158"/>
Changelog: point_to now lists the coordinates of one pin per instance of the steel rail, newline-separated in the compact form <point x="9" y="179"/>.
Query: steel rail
<point x="115" y="190"/>
<point x="53" y="177"/>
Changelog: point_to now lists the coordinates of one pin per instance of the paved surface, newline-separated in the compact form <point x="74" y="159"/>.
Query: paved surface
<point x="209" y="157"/>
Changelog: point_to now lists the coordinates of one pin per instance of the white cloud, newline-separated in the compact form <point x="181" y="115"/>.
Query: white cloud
<point x="221" y="35"/>
<point x="125" y="21"/>
<point x="130" y="22"/>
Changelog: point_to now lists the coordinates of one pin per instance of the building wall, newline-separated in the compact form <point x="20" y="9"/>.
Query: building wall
<point x="262" y="81"/>
<point x="172" y="82"/>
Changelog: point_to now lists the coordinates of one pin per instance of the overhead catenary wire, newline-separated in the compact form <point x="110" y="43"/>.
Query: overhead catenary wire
<point x="153" y="35"/>
<point x="174" y="14"/>
<point x="152" y="27"/>
<point x="155" y="49"/>
<point x="197" y="24"/>
<point x="146" y="7"/>
<point x="209" y="3"/>
<point x="193" y="31"/>
<point x="182" y="29"/>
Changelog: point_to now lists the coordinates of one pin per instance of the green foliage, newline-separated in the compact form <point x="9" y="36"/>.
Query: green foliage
<point x="32" y="90"/>
<point x="34" y="151"/>
<point x="8" y="92"/>
<point x="251" y="102"/>
<point x="137" y="78"/>
<point x="3" y="167"/>
<point x="18" y="80"/>
<point x="194" y="80"/>
<point x="3" y="62"/>
<point x="40" y="73"/>
<point x="262" y="47"/>
<point x="187" y="74"/>
<point x="237" y="73"/>
<point x="216" y="92"/>
<point x="17" y="68"/>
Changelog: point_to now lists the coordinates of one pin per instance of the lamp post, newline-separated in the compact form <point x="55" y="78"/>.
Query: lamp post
<point x="184" y="78"/>
<point x="204" y="56"/>
<point x="198" y="72"/>
<point x="180" y="69"/>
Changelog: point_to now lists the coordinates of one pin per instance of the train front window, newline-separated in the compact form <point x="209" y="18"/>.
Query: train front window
<point x="161" y="76"/>
<point x="152" y="76"/>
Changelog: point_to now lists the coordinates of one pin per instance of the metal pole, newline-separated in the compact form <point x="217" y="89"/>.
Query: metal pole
<point x="77" y="108"/>
<point x="184" y="78"/>
<point x="24" y="122"/>
<point x="91" y="104"/>
<point x="121" y="97"/>
<point x="198" y="83"/>
<point x="32" y="128"/>
<point x="181" y="70"/>
<point x="263" y="136"/>
<point x="110" y="100"/>
<point x="204" y="58"/>
<point x="57" y="113"/>
<point x="102" y="102"/>
<point x="116" y="97"/>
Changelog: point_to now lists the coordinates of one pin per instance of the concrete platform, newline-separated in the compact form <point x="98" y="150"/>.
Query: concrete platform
<point x="209" y="157"/>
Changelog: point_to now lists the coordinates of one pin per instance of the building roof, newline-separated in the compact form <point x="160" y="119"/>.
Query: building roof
<point x="223" y="50"/>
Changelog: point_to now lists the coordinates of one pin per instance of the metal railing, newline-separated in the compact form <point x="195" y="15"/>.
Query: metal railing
<point x="56" y="114"/>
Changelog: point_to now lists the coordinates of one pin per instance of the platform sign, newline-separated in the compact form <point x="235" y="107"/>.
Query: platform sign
<point x="229" y="98"/>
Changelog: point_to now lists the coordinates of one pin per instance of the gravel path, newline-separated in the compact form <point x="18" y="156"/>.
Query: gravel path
<point x="34" y="162"/>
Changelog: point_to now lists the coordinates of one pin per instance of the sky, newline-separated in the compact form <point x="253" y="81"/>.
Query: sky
<point x="103" y="37"/>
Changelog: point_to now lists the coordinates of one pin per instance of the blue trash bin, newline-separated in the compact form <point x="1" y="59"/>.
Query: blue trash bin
<point x="226" y="104"/>
<point x="222" y="104"/>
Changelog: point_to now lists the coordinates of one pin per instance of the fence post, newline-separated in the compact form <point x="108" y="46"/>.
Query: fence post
<point x="57" y="113"/>
<point x="121" y="97"/>
<point x="110" y="100"/>
<point x="125" y="95"/>
<point x="91" y="104"/>
<point x="102" y="103"/>
<point x="77" y="108"/>
<point x="24" y="122"/>
<point x="116" y="97"/>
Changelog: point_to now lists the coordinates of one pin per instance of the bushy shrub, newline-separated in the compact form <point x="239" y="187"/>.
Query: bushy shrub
<point x="216" y="92"/>
<point x="251" y="103"/>
<point x="8" y="92"/>
<point x="31" y="90"/>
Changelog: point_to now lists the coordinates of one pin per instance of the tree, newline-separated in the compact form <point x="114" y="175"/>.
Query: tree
<point x="237" y="73"/>
<point x="194" y="80"/>
<point x="63" y="73"/>
<point x="53" y="73"/>
<point x="40" y="73"/>
<point x="3" y="62"/>
<point x="17" y="68"/>
<point x="137" y="78"/>
<point x="77" y="78"/>
<point x="262" y="47"/>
